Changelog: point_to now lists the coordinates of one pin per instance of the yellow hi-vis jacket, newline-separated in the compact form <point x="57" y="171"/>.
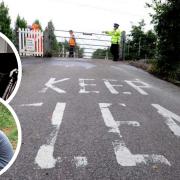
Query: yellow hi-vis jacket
<point x="115" y="36"/>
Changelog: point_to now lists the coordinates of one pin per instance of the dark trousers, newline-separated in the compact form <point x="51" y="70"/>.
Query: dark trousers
<point x="71" y="51"/>
<point x="115" y="51"/>
<point x="6" y="150"/>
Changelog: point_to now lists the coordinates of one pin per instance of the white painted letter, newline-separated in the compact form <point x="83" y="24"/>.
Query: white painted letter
<point x="170" y="117"/>
<point x="111" y="86"/>
<point x="124" y="156"/>
<point x="83" y="85"/>
<point x="44" y="158"/>
<point x="50" y="84"/>
<point x="138" y="87"/>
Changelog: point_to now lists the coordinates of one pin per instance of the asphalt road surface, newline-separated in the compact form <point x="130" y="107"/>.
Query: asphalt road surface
<point x="95" y="119"/>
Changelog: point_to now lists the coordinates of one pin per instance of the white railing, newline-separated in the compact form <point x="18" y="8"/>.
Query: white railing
<point x="30" y="42"/>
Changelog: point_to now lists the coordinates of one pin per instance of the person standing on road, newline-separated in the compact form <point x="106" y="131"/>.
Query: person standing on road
<point x="72" y="43"/>
<point x="6" y="150"/>
<point x="115" y="41"/>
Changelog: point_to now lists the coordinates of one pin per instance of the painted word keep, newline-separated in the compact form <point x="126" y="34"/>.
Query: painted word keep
<point x="87" y="86"/>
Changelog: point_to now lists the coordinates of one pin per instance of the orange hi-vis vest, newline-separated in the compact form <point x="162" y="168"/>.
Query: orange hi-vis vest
<point x="35" y="27"/>
<point x="72" y="41"/>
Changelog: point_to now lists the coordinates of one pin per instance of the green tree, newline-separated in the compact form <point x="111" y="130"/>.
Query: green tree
<point x="5" y="21"/>
<point x="20" y="23"/>
<point x="101" y="54"/>
<point x="79" y="51"/>
<point x="140" y="44"/>
<point x="63" y="48"/>
<point x="167" y="26"/>
<point x="52" y="44"/>
<point x="149" y="45"/>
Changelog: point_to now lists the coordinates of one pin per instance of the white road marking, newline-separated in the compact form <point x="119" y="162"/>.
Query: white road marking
<point x="170" y="119"/>
<point x="80" y="161"/>
<point x="128" y="93"/>
<point x="124" y="156"/>
<point x="129" y="123"/>
<point x="111" y="86"/>
<point x="35" y="104"/>
<point x="44" y="158"/>
<point x="82" y="84"/>
<point x="138" y="87"/>
<point x="50" y="85"/>
<point x="121" y="104"/>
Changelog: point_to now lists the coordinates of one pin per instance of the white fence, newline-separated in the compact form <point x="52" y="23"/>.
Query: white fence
<point x="30" y="42"/>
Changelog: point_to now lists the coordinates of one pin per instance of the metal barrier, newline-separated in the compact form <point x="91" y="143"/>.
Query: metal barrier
<point x="90" y="42"/>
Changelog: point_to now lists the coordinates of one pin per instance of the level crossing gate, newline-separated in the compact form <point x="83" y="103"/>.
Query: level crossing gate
<point x="88" y="41"/>
<point x="30" y="42"/>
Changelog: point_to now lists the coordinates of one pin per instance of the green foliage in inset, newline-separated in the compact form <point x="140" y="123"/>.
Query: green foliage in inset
<point x="8" y="125"/>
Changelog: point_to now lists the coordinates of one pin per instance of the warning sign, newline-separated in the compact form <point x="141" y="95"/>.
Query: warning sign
<point x="30" y="44"/>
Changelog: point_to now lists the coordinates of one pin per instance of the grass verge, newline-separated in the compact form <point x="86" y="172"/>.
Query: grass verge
<point x="8" y="125"/>
<point x="149" y="67"/>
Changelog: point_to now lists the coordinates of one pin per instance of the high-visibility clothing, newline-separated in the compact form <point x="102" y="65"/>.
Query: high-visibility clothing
<point x="115" y="36"/>
<point x="72" y="42"/>
<point x="35" y="27"/>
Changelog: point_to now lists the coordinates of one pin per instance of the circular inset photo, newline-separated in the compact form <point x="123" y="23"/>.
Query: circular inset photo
<point x="10" y="69"/>
<point x="10" y="136"/>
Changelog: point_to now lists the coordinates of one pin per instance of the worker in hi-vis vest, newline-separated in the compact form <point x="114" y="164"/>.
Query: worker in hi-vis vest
<point x="72" y="43"/>
<point x="115" y="41"/>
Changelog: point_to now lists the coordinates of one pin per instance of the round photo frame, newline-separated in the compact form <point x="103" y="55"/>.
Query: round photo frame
<point x="19" y="66"/>
<point x="19" y="136"/>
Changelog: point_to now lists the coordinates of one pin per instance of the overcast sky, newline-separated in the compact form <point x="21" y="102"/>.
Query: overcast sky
<point x="81" y="15"/>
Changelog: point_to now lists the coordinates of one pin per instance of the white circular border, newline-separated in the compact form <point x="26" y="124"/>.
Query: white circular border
<point x="19" y="136"/>
<point x="19" y="66"/>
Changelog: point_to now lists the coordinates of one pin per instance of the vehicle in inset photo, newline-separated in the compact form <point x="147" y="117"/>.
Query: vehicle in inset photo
<point x="9" y="69"/>
<point x="10" y="137"/>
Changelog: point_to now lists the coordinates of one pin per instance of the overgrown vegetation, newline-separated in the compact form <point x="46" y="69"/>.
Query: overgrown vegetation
<point x="167" y="27"/>
<point x="163" y="45"/>
<point x="140" y="44"/>
<point x="8" y="125"/>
